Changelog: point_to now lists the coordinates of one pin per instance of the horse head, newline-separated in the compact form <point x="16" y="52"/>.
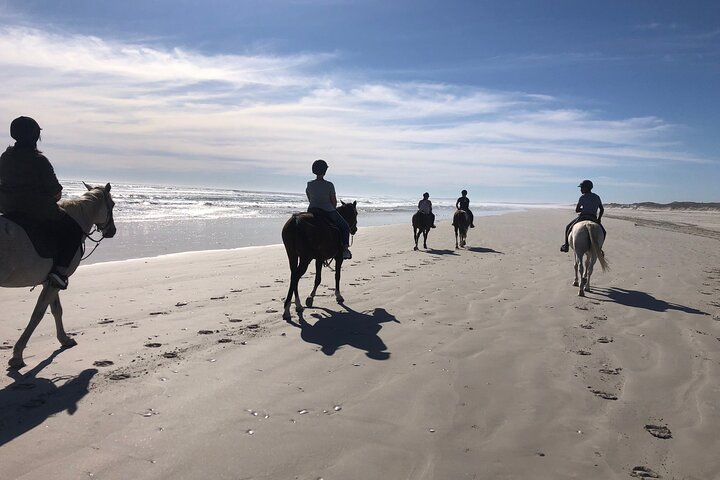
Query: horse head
<point x="349" y="212"/>
<point x="103" y="218"/>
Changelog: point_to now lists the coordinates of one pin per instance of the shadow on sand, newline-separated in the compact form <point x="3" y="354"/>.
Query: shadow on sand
<point x="634" y="298"/>
<point x="332" y="330"/>
<point x="435" y="251"/>
<point x="483" y="250"/>
<point x="30" y="400"/>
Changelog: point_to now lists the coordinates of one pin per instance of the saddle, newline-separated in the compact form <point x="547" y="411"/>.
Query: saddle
<point x="321" y="218"/>
<point x="44" y="235"/>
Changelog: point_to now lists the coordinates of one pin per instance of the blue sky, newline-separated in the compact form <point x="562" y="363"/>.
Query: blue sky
<point x="512" y="100"/>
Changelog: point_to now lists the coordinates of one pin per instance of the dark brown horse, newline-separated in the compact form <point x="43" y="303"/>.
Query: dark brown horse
<point x="307" y="237"/>
<point x="461" y="222"/>
<point x="422" y="223"/>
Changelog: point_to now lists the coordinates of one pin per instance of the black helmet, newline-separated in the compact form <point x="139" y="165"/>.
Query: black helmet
<point x="426" y="195"/>
<point x="464" y="192"/>
<point x="25" y="131"/>
<point x="586" y="183"/>
<point x="319" y="167"/>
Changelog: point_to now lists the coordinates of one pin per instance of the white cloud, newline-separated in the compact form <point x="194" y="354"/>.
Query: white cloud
<point x="132" y="106"/>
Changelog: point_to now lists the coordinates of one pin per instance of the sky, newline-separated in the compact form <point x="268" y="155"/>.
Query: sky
<point x="513" y="100"/>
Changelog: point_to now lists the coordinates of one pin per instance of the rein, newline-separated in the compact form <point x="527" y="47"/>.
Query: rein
<point x="97" y="228"/>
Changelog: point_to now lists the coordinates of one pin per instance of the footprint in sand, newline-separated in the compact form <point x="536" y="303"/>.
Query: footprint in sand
<point x="170" y="355"/>
<point x="103" y="363"/>
<point x="604" y="340"/>
<point x="583" y="352"/>
<point x="5" y="347"/>
<point x="586" y="326"/>
<point x="643" y="472"/>
<point x="605" y="395"/>
<point x="610" y="371"/>
<point x="153" y="345"/>
<point x="205" y="332"/>
<point x="225" y="340"/>
<point x="235" y="320"/>
<point x="105" y="321"/>
<point x="119" y="376"/>
<point x="659" y="431"/>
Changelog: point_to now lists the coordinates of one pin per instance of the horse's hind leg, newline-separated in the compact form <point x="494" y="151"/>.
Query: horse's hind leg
<point x="425" y="234"/>
<point x="588" y="271"/>
<point x="338" y="266"/>
<point x="581" y="274"/>
<point x="302" y="268"/>
<point x="416" y="236"/>
<point x="57" y="311"/>
<point x="318" y="276"/>
<point x="46" y="296"/>
<point x="293" y="259"/>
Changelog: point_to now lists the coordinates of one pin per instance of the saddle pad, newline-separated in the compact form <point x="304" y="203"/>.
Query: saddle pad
<point x="40" y="236"/>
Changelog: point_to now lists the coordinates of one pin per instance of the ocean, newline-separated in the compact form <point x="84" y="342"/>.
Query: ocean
<point x="154" y="220"/>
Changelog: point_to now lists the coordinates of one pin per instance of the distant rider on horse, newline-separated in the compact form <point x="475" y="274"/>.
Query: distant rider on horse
<point x="425" y="206"/>
<point x="588" y="207"/>
<point x="321" y="195"/>
<point x="463" y="203"/>
<point x="30" y="190"/>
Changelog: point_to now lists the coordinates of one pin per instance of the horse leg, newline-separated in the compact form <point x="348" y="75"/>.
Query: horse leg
<point x="46" y="296"/>
<point x="416" y="235"/>
<point x="579" y="266"/>
<point x="456" y="237"/>
<point x="425" y="234"/>
<point x="590" y="263"/>
<point x="293" y="259"/>
<point x="318" y="276"/>
<point x="338" y="265"/>
<point x="57" y="311"/>
<point x="302" y="268"/>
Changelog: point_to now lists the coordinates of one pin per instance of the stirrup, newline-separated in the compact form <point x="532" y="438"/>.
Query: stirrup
<point x="57" y="280"/>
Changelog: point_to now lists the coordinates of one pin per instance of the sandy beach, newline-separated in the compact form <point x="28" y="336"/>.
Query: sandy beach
<point x="480" y="363"/>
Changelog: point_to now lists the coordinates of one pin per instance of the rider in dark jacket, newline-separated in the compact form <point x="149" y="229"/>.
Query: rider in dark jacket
<point x="29" y="188"/>
<point x="589" y="207"/>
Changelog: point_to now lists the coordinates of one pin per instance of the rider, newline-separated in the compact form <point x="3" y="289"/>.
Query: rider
<point x="321" y="195"/>
<point x="588" y="207"/>
<point x="425" y="206"/>
<point x="29" y="187"/>
<point x="463" y="203"/>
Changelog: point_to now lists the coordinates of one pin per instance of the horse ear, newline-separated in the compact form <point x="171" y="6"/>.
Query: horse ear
<point x="107" y="188"/>
<point x="343" y="203"/>
<point x="355" y="203"/>
<point x="87" y="186"/>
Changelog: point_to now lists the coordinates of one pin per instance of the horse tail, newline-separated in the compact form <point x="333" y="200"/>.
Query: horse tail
<point x="594" y="232"/>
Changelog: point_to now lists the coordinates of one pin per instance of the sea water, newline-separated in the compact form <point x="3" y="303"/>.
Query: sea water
<point x="154" y="220"/>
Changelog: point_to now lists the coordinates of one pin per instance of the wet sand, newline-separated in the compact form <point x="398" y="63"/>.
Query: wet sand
<point x="474" y="363"/>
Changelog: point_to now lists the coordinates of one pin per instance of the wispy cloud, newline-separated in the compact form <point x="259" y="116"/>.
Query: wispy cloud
<point x="137" y="106"/>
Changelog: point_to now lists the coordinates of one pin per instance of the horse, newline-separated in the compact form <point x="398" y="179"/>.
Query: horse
<point x="422" y="223"/>
<point x="307" y="237"/>
<point x="461" y="222"/>
<point x="22" y="266"/>
<point x="586" y="239"/>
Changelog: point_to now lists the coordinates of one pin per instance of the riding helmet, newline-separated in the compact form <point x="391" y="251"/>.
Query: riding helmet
<point x="426" y="195"/>
<point x="319" y="167"/>
<point x="25" y="131"/>
<point x="586" y="183"/>
<point x="464" y="192"/>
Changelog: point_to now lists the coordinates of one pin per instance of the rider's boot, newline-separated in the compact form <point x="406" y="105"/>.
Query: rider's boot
<point x="347" y="255"/>
<point x="58" y="279"/>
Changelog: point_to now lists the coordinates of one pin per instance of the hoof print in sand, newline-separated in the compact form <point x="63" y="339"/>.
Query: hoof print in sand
<point x="604" y="340"/>
<point x="605" y="395"/>
<point x="158" y="313"/>
<point x="153" y="345"/>
<point x="205" y="332"/>
<point x="225" y="340"/>
<point x="643" y="472"/>
<point x="119" y="376"/>
<point x="102" y="363"/>
<point x="586" y="326"/>
<point x="170" y="355"/>
<point x="659" y="431"/>
<point x="8" y="347"/>
<point x="610" y="371"/>
<point x="583" y="352"/>
<point x="105" y="321"/>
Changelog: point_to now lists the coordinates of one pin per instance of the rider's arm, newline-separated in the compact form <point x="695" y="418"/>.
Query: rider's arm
<point x="333" y="199"/>
<point x="578" y="208"/>
<point x="430" y="205"/>
<point x="457" y="204"/>
<point x="601" y="210"/>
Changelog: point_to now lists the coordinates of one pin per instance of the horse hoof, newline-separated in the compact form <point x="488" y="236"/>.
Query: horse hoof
<point x="339" y="299"/>
<point x="299" y="309"/>
<point x="68" y="343"/>
<point x="309" y="302"/>
<point x="286" y="316"/>
<point x="575" y="283"/>
<point x="581" y="293"/>
<point x="416" y="249"/>
<point x="16" y="363"/>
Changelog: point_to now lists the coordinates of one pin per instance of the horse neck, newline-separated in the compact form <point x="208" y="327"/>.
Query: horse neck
<point x="83" y="210"/>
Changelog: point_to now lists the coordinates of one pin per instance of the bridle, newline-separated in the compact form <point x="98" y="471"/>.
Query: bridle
<point x="98" y="227"/>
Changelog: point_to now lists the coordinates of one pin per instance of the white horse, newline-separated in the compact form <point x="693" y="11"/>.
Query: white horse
<point x="21" y="266"/>
<point x="586" y="239"/>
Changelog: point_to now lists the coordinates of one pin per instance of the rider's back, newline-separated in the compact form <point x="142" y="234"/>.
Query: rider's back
<point x="319" y="193"/>
<point x="28" y="183"/>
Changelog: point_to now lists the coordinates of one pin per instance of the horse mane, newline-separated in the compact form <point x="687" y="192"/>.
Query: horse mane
<point x="95" y="193"/>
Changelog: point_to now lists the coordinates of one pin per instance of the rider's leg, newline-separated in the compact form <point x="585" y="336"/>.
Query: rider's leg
<point x="566" y="247"/>
<point x="432" y="220"/>
<point x="344" y="232"/>
<point x="69" y="238"/>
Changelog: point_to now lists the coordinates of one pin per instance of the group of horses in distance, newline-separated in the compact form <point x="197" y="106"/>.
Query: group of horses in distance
<point x="422" y="223"/>
<point x="307" y="236"/>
